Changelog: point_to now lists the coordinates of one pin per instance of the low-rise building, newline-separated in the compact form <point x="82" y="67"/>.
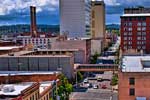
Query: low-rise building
<point x="134" y="78"/>
<point x="22" y="91"/>
<point x="24" y="61"/>
<point x="27" y="76"/>
<point x="83" y="45"/>
<point x="28" y="91"/>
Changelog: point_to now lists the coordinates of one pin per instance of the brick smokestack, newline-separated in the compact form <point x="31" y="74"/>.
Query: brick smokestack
<point x="33" y="27"/>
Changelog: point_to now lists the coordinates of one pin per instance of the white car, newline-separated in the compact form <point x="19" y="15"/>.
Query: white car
<point x="86" y="80"/>
<point x="95" y="86"/>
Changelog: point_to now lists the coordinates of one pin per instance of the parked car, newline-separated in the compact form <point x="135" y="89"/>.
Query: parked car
<point x="99" y="78"/>
<point x="95" y="86"/>
<point x="90" y="85"/>
<point x="86" y="80"/>
<point x="104" y="87"/>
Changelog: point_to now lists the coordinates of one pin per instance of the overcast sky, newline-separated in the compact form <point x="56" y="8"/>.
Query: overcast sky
<point x="17" y="11"/>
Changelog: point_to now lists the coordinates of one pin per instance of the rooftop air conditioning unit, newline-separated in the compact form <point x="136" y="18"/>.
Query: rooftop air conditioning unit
<point x="8" y="88"/>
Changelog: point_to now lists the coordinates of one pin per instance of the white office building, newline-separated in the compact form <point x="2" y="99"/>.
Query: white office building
<point x="75" y="18"/>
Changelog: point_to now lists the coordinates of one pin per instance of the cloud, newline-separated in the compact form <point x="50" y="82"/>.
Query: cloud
<point x="6" y="6"/>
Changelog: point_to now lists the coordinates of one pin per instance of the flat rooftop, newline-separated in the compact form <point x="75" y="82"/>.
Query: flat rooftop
<point x="13" y="89"/>
<point x="30" y="54"/>
<point x="135" y="64"/>
<point x="13" y="73"/>
<point x="59" y="50"/>
<point x="9" y="48"/>
<point x="136" y="15"/>
<point x="45" y="85"/>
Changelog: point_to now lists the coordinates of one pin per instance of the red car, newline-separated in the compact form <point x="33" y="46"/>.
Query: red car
<point x="104" y="87"/>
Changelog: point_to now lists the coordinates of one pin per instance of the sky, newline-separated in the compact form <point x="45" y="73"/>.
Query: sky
<point x="17" y="11"/>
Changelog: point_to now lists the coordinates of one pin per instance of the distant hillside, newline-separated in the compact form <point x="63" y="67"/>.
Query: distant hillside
<point x="113" y="27"/>
<point x="15" y="29"/>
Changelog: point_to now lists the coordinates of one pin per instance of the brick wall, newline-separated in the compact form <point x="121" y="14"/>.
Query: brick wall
<point x="28" y="78"/>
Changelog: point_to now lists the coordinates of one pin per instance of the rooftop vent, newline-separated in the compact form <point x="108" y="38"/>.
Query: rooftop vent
<point x="8" y="88"/>
<point x="145" y="63"/>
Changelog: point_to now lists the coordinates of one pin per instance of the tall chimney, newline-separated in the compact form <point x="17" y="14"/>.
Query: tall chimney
<point x="33" y="27"/>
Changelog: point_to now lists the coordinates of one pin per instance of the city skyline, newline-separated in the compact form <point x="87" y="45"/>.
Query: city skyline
<point x="17" y="12"/>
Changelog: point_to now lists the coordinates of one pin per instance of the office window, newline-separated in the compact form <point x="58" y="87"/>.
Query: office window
<point x="143" y="23"/>
<point x="143" y="28"/>
<point x="139" y="28"/>
<point x="125" y="33"/>
<point x="138" y="38"/>
<point x="139" y="24"/>
<point x="130" y="29"/>
<point x="143" y="33"/>
<point x="138" y="33"/>
<point x="132" y="81"/>
<point x="130" y="42"/>
<point x="132" y="92"/>
<point x="129" y="38"/>
<point x="130" y="24"/>
<point x="129" y="47"/>
<point x="130" y="33"/>
<point x="125" y="38"/>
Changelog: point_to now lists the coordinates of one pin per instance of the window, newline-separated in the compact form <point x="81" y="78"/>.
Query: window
<point x="139" y="24"/>
<point x="138" y="33"/>
<point x="129" y="38"/>
<point x="132" y="81"/>
<point x="139" y="28"/>
<point x="144" y="24"/>
<point x="130" y="33"/>
<point x="130" y="24"/>
<point x="143" y="28"/>
<point x="138" y="38"/>
<point x="130" y="42"/>
<point x="125" y="38"/>
<point x="125" y="33"/>
<point x="129" y="47"/>
<point x="143" y="33"/>
<point x="132" y="92"/>
<point x="130" y="29"/>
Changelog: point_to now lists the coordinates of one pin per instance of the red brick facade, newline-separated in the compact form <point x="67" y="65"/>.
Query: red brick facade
<point x="141" y="85"/>
<point x="135" y="31"/>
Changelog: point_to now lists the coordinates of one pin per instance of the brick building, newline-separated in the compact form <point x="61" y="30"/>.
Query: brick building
<point x="135" y="30"/>
<point x="29" y="76"/>
<point x="28" y="91"/>
<point x="134" y="78"/>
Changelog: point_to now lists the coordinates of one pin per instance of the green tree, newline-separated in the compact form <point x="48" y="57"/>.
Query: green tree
<point x="64" y="89"/>
<point x="114" y="80"/>
<point x="94" y="58"/>
<point x="79" y="76"/>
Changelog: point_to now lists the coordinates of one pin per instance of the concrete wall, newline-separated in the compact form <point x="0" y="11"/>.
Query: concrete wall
<point x="96" y="46"/>
<point x="142" y="85"/>
<point x="84" y="47"/>
<point x="38" y="64"/>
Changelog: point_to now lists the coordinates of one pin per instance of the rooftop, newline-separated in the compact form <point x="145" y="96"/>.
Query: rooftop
<point x="136" y="15"/>
<point x="9" y="47"/>
<point x="45" y="85"/>
<point x="135" y="64"/>
<point x="31" y="54"/>
<point x="13" y="89"/>
<point x="13" y="73"/>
